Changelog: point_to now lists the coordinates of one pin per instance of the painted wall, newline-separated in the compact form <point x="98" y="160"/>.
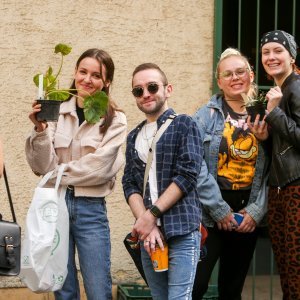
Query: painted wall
<point x="175" y="34"/>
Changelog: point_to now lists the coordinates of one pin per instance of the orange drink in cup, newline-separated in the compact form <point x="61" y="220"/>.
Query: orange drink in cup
<point x="160" y="258"/>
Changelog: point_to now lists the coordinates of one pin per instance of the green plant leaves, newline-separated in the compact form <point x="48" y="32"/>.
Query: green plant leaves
<point x="58" y="95"/>
<point x="259" y="100"/>
<point x="36" y="79"/>
<point x="63" y="49"/>
<point x="95" y="107"/>
<point x="50" y="81"/>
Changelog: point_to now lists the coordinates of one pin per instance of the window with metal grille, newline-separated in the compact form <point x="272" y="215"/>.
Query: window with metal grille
<point x="241" y="23"/>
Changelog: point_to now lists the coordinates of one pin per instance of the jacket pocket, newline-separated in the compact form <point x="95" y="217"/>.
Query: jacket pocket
<point x="289" y="163"/>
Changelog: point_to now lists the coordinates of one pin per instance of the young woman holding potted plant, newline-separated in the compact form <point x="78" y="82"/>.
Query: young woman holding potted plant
<point x="232" y="179"/>
<point x="278" y="55"/>
<point x="93" y="156"/>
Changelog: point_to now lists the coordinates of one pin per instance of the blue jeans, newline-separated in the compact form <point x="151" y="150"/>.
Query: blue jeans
<point x="177" y="282"/>
<point x="89" y="232"/>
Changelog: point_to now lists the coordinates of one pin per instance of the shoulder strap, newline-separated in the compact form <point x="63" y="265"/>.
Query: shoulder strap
<point x="45" y="178"/>
<point x="157" y="136"/>
<point x="9" y="196"/>
<point x="49" y="174"/>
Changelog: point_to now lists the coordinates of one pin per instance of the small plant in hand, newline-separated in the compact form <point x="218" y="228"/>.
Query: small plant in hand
<point x="255" y="106"/>
<point x="95" y="106"/>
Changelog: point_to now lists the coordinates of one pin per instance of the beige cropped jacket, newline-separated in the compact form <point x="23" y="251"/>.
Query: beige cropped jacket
<point x="92" y="159"/>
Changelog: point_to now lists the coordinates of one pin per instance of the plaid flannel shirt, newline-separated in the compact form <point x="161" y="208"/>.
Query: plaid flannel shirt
<point x="179" y="155"/>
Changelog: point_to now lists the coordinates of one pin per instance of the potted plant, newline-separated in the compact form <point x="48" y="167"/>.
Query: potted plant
<point x="255" y="106"/>
<point x="50" y="95"/>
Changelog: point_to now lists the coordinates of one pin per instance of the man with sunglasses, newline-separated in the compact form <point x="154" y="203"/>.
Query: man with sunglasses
<point x="170" y="210"/>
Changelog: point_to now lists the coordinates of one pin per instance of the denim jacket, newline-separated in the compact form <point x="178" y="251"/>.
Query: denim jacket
<point x="210" y="120"/>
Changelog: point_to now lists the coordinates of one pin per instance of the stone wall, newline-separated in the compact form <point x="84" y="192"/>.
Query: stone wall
<point x="175" y="34"/>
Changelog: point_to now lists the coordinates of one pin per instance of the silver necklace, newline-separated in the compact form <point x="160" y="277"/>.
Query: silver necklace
<point x="148" y="136"/>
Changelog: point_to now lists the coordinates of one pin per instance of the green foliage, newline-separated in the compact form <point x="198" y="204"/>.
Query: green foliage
<point x="259" y="100"/>
<point x="50" y="82"/>
<point x="95" y="106"/>
<point x="63" y="49"/>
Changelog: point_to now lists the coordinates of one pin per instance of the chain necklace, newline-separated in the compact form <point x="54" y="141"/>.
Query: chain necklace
<point x="148" y="136"/>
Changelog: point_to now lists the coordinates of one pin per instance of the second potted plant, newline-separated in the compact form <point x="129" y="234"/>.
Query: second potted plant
<point x="255" y="106"/>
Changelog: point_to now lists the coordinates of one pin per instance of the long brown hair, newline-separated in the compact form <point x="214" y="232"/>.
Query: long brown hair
<point x="103" y="58"/>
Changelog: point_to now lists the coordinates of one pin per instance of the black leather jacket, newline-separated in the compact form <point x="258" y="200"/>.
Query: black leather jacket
<point x="285" y="130"/>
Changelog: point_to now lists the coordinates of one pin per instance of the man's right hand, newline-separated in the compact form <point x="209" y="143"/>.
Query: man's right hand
<point x="155" y="237"/>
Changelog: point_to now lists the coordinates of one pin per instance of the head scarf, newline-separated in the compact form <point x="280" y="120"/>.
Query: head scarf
<point x="283" y="38"/>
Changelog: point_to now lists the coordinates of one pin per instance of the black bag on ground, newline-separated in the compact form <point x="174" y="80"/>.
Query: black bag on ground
<point x="10" y="241"/>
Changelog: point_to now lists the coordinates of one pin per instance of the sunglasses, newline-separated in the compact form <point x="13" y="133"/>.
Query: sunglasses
<point x="152" y="88"/>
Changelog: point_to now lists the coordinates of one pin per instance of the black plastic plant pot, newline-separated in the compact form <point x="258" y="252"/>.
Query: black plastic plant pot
<point x="256" y="109"/>
<point x="49" y="110"/>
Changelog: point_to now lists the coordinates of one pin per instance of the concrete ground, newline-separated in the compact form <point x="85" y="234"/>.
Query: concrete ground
<point x="261" y="291"/>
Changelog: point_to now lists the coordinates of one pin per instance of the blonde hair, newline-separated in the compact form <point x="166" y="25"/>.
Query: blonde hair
<point x="229" y="52"/>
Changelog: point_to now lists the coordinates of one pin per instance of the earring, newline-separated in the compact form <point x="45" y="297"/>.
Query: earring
<point x="292" y="61"/>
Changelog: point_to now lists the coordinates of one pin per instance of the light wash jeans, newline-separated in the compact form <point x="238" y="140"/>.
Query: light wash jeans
<point x="89" y="231"/>
<point x="177" y="282"/>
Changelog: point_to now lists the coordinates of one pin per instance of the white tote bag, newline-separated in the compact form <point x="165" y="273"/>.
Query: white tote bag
<point x="45" y="248"/>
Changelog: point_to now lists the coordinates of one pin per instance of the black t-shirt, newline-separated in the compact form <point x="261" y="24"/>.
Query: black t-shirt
<point x="80" y="114"/>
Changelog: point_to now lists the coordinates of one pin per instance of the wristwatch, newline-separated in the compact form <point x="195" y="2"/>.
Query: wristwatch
<point x="155" y="211"/>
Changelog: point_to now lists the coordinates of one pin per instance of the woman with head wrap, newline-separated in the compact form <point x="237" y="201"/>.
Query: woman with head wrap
<point x="278" y="55"/>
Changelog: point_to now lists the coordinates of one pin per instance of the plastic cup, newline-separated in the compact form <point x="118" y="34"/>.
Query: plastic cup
<point x="160" y="258"/>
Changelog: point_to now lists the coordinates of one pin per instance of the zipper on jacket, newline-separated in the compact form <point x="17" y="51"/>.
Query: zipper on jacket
<point x="283" y="152"/>
<point x="278" y="186"/>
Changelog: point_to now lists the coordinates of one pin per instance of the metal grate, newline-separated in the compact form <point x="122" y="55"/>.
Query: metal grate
<point x="241" y="23"/>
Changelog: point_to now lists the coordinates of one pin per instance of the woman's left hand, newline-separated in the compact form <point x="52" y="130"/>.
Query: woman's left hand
<point x="248" y="224"/>
<point x="258" y="128"/>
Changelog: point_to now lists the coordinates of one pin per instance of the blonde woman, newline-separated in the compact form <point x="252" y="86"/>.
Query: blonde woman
<point x="232" y="179"/>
